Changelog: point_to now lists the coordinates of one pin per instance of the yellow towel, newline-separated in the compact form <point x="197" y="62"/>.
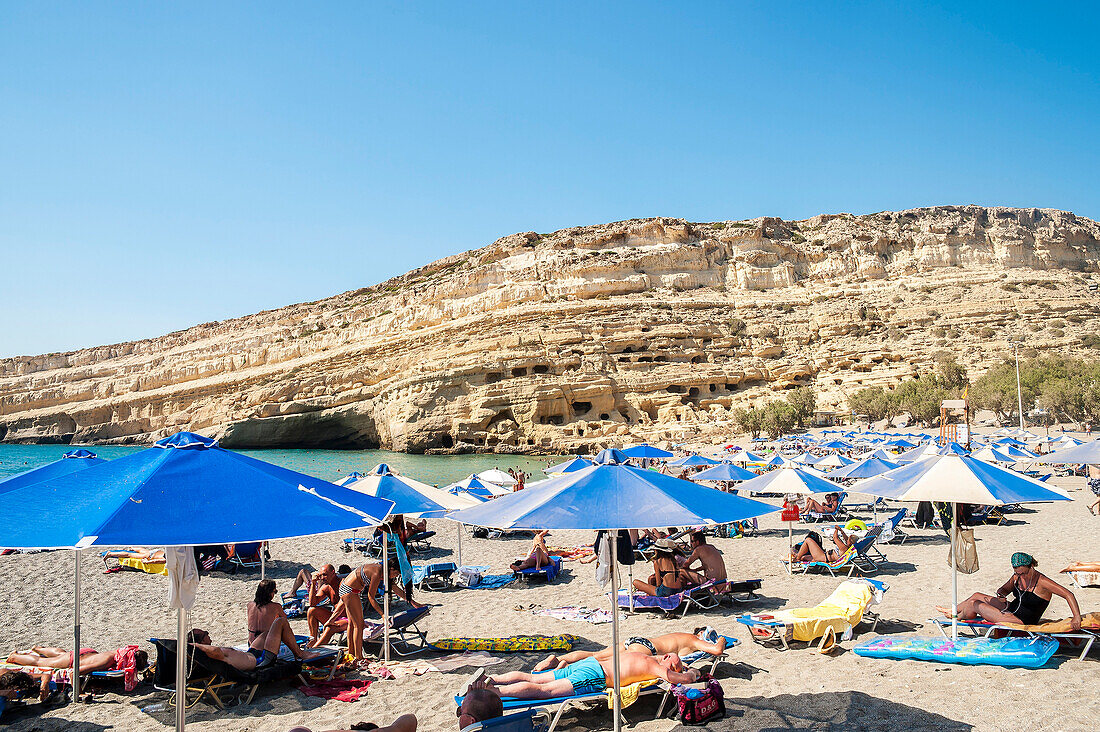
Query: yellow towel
<point x="144" y="566"/>
<point x="629" y="694"/>
<point x="841" y="610"/>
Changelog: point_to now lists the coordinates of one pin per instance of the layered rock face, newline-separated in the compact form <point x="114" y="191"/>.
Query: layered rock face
<point x="647" y="329"/>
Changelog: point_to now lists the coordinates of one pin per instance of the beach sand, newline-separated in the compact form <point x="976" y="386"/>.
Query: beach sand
<point x="765" y="688"/>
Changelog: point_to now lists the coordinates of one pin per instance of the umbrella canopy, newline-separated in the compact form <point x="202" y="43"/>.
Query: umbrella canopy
<point x="724" y="471"/>
<point x="475" y="484"/>
<point x="498" y="476"/>
<point x="958" y="479"/>
<point x="349" y="478"/>
<point x="992" y="455"/>
<point x="612" y="497"/>
<point x="569" y="466"/>
<point x="647" y="452"/>
<point x="788" y="481"/>
<point x="745" y="457"/>
<point x="1087" y="453"/>
<point x="867" y="468"/>
<point x="610" y="456"/>
<point x="1019" y="453"/>
<point x="410" y="497"/>
<point x="835" y="445"/>
<point x="833" y="460"/>
<point x="184" y="491"/>
<point x="478" y="495"/>
<point x="70" y="462"/>
<point x="691" y="461"/>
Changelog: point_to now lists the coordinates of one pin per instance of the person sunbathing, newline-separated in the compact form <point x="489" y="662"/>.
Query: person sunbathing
<point x="832" y="500"/>
<point x="479" y="705"/>
<point x="1032" y="592"/>
<point x="589" y="676"/>
<point x="263" y="651"/>
<point x="712" y="566"/>
<point x="666" y="578"/>
<point x="90" y="659"/>
<point x="263" y="610"/>
<point x="16" y="685"/>
<point x="538" y="557"/>
<point x="811" y="550"/>
<point x="680" y="644"/>
<point x="155" y="555"/>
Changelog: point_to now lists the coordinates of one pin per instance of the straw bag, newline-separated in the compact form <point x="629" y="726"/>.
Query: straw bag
<point x="966" y="552"/>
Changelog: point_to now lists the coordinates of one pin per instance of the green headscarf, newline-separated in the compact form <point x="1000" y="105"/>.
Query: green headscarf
<point x="1022" y="559"/>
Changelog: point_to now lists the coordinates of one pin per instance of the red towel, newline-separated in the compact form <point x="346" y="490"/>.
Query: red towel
<point x="125" y="661"/>
<point x="339" y="689"/>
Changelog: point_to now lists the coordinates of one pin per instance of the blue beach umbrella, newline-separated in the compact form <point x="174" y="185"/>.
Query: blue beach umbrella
<point x="788" y="480"/>
<point x="691" y="461"/>
<point x="569" y="466"/>
<point x="613" y="497"/>
<point x="647" y="452"/>
<point x="70" y="462"/>
<point x="867" y="468"/>
<point x="724" y="471"/>
<point x="958" y="479"/>
<point x="349" y="478"/>
<point x="1087" y="453"/>
<point x="410" y="497"/>
<point x="610" y="456"/>
<point x="184" y="491"/>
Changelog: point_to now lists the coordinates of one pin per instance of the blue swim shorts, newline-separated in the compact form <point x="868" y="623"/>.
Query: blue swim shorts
<point x="586" y="676"/>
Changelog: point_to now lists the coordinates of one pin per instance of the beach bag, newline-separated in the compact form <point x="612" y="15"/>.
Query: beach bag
<point x="966" y="552"/>
<point x="468" y="577"/>
<point x="699" y="706"/>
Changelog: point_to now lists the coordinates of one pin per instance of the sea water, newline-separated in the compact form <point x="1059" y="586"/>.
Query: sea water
<point x="439" y="470"/>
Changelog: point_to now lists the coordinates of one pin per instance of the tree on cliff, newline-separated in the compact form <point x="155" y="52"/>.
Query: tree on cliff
<point x="873" y="401"/>
<point x="778" y="419"/>
<point x="803" y="401"/>
<point x="749" y="421"/>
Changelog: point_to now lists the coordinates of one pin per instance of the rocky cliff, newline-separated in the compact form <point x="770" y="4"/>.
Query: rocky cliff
<point x="651" y="329"/>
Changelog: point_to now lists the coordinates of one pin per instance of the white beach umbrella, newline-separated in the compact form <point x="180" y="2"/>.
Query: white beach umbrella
<point x="498" y="476"/>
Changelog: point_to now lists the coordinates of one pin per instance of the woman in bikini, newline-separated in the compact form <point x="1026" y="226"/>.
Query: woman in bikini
<point x="90" y="659"/>
<point x="538" y="557"/>
<point x="1031" y="592"/>
<point x="263" y="610"/>
<point x="811" y="550"/>
<point x="666" y="578"/>
<point x="364" y="580"/>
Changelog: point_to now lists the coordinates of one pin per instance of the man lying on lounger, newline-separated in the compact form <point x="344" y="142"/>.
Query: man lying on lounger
<point x="262" y="653"/>
<point x="680" y="644"/>
<point x="589" y="676"/>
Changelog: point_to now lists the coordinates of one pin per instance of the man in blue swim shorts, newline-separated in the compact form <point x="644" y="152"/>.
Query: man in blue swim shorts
<point x="261" y="654"/>
<point x="591" y="676"/>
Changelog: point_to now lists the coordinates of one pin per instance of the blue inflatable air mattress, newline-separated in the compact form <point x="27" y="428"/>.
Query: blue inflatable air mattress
<point x="1017" y="652"/>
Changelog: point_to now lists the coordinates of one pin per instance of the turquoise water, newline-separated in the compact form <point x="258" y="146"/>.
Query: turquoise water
<point x="326" y="464"/>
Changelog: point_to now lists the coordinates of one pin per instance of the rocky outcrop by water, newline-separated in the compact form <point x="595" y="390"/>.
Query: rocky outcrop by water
<point x="653" y="329"/>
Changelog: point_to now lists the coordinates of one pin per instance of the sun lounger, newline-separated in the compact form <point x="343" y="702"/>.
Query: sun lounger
<point x="701" y="598"/>
<point x="215" y="679"/>
<point x="435" y="576"/>
<point x="559" y="705"/>
<point x="523" y="721"/>
<point x="844" y="609"/>
<point x="548" y="572"/>
<point x="844" y="561"/>
<point x="839" y="512"/>
<point x="406" y="638"/>
<point x="1074" y="640"/>
<point x="420" y="542"/>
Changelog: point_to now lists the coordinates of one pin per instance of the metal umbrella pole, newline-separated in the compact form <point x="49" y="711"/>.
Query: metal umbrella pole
<point x="386" y="594"/>
<point x="76" y="629"/>
<point x="181" y="669"/>
<point x="954" y="573"/>
<point x="615" y="700"/>
<point x="460" y="529"/>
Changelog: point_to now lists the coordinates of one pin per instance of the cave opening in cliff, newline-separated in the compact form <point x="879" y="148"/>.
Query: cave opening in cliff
<point x="447" y="441"/>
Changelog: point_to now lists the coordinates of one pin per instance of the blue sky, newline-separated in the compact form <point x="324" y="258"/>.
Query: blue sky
<point x="168" y="164"/>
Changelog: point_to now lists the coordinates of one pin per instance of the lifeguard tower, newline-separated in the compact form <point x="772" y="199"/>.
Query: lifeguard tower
<point x="955" y="421"/>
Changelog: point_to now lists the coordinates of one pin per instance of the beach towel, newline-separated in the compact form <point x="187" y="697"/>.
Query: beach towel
<point x="142" y="565"/>
<point x="345" y="690"/>
<point x="1084" y="573"/>
<point x="126" y="662"/>
<point x="580" y="614"/>
<point x="629" y="694"/>
<point x="570" y="552"/>
<point x="493" y="581"/>
<point x="466" y="659"/>
<point x="511" y="644"/>
<point x="840" y="611"/>
<point x="1089" y="621"/>
<point x="400" y="669"/>
<point x="1022" y="652"/>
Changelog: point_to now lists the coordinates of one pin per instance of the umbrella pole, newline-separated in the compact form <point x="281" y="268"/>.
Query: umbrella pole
<point x="181" y="670"/>
<point x="76" y="629"/>
<point x="386" y="595"/>
<point x="615" y="700"/>
<point x="459" y="544"/>
<point x="954" y="574"/>
<point x="263" y="564"/>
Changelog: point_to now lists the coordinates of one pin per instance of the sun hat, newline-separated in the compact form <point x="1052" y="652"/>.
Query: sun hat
<point x="665" y="545"/>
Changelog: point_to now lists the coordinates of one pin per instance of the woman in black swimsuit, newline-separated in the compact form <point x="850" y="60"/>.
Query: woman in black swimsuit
<point x="1031" y="592"/>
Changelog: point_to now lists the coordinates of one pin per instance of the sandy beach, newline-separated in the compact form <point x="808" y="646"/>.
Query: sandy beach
<point x="765" y="688"/>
